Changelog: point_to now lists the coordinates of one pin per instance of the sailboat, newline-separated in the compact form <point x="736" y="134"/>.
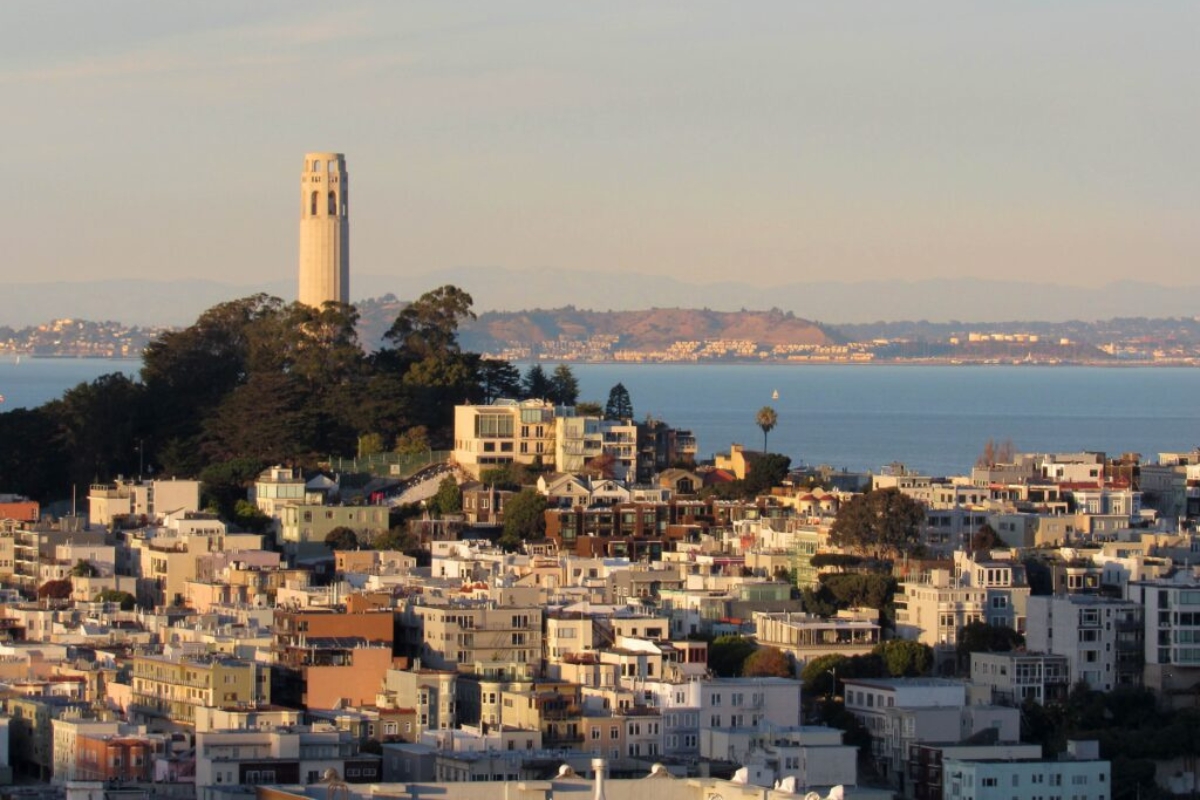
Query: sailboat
<point x="775" y="395"/>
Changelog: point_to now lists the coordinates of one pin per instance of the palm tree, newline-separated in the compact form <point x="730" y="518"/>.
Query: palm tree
<point x="766" y="419"/>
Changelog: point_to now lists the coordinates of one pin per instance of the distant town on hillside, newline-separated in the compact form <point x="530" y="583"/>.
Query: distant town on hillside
<point x="676" y="335"/>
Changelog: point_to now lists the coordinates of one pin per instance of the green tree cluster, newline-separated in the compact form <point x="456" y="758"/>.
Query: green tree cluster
<point x="879" y="522"/>
<point x="727" y="655"/>
<point x="766" y="471"/>
<point x="254" y="382"/>
<point x="524" y="519"/>
<point x="842" y="590"/>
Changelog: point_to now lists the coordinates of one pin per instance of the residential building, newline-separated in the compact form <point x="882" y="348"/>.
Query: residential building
<point x="488" y="640"/>
<point x="300" y="755"/>
<point x="1018" y="676"/>
<point x="1101" y="637"/>
<point x="1171" y="635"/>
<point x="303" y="527"/>
<point x="505" y="432"/>
<point x="580" y="440"/>
<point x="431" y="693"/>
<point x="170" y="688"/>
<point x="1082" y="777"/>
<point x="808" y="636"/>
<point x="109" y="503"/>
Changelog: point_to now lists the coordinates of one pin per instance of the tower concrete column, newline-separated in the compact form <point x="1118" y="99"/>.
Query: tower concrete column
<point x="324" y="230"/>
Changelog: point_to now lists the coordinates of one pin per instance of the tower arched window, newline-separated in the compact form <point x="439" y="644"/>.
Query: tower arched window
<point x="333" y="210"/>
<point x="316" y="166"/>
<point x="312" y="210"/>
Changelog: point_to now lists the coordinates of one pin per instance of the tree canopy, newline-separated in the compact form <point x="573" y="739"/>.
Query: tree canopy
<point x="341" y="538"/>
<point x="727" y="655"/>
<point x="766" y="418"/>
<point x="767" y="662"/>
<point x="564" y="387"/>
<point x="619" y="405"/>
<point x="257" y="381"/>
<point x="448" y="499"/>
<point x="882" y="521"/>
<point x="524" y="518"/>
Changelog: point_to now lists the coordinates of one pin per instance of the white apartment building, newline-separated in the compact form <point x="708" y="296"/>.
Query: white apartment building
<point x="1101" y="637"/>
<point x="1016" y="677"/>
<point x="691" y="709"/>
<point x="1172" y="634"/>
<point x="1082" y="777"/>
<point x="506" y="432"/>
<point x="578" y="440"/>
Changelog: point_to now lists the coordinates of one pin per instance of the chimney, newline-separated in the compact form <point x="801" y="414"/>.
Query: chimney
<point x="599" y="765"/>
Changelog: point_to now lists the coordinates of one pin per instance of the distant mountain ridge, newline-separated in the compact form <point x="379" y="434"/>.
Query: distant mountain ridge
<point x="647" y="329"/>
<point x="151" y="302"/>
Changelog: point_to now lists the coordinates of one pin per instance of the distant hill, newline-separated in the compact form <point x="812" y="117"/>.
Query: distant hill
<point x="643" y="330"/>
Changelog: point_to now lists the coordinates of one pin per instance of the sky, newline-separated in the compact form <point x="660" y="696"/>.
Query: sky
<point x="771" y="142"/>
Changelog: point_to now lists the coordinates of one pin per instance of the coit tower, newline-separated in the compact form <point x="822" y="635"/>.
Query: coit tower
<point x="324" y="230"/>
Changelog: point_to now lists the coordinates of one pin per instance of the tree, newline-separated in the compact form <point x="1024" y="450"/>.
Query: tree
<point x="841" y="590"/>
<point x="448" y="499"/>
<point x="413" y="441"/>
<point x="766" y="471"/>
<point x="589" y="409"/>
<point x="536" y="384"/>
<point x="225" y="483"/>
<point x="341" y="538"/>
<point x="369" y="444"/>
<point x="250" y="517"/>
<point x="601" y="466"/>
<point x="55" y="590"/>
<point x="396" y="539"/>
<point x="124" y="600"/>
<point x="428" y="327"/>
<point x="905" y="659"/>
<point x="767" y="662"/>
<point x="524" y="518"/>
<point x="817" y="675"/>
<point x="564" y="387"/>
<point x="727" y="655"/>
<point x="84" y="569"/>
<point x="498" y="379"/>
<point x="766" y="418"/>
<point x="980" y="637"/>
<point x="511" y="476"/>
<point x="880" y="521"/>
<point x="619" y="405"/>
<point x="985" y="538"/>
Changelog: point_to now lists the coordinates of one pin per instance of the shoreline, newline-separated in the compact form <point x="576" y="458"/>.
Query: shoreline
<point x="12" y="357"/>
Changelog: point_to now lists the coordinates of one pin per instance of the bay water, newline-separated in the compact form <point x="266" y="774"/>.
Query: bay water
<point x="935" y="419"/>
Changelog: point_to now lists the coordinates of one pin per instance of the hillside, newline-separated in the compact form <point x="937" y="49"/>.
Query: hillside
<point x="650" y="329"/>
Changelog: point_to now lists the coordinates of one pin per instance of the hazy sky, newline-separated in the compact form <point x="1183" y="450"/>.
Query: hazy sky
<point x="775" y="141"/>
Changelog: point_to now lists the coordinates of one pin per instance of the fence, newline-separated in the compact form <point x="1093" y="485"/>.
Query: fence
<point x="389" y="465"/>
